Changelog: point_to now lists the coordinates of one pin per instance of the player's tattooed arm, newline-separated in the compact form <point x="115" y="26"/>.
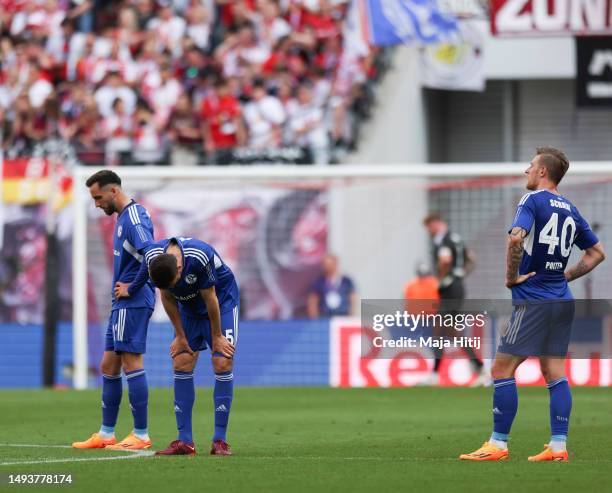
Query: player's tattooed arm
<point x="514" y="256"/>
<point x="590" y="259"/>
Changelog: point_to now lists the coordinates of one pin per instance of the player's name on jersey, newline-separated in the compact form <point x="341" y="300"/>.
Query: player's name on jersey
<point x="427" y="342"/>
<point x="558" y="203"/>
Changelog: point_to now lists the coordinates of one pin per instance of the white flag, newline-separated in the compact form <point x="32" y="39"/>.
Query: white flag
<point x="458" y="64"/>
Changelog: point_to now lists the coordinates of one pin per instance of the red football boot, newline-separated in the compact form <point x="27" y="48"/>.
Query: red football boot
<point x="219" y="447"/>
<point x="178" y="447"/>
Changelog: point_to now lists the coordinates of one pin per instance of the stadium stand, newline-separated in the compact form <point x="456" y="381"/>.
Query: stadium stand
<point x="184" y="81"/>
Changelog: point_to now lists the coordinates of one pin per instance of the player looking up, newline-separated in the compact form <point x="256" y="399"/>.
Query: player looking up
<point x="126" y="334"/>
<point x="545" y="228"/>
<point x="200" y="295"/>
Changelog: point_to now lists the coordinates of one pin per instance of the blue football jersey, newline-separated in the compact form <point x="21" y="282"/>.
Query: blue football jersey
<point x="133" y="235"/>
<point x="202" y="268"/>
<point x="554" y="226"/>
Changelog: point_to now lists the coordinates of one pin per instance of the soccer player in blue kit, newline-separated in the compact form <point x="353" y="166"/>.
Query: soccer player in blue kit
<point x="126" y="333"/>
<point x="545" y="228"/>
<point x="200" y="295"/>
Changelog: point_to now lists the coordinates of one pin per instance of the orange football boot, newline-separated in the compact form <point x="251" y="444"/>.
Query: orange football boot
<point x="131" y="442"/>
<point x="95" y="441"/>
<point x="488" y="451"/>
<point x="549" y="455"/>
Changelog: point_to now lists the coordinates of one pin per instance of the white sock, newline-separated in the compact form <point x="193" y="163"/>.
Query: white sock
<point x="500" y="444"/>
<point x="557" y="446"/>
<point x="142" y="436"/>
<point x="105" y="435"/>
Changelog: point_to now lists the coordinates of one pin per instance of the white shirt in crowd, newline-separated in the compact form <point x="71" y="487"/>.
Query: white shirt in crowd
<point x="148" y="144"/>
<point x="256" y="54"/>
<point x="38" y="18"/>
<point x="126" y="68"/>
<point x="270" y="34"/>
<point x="302" y="116"/>
<point x="200" y="34"/>
<point x="107" y="94"/>
<point x="39" y="92"/>
<point x="164" y="97"/>
<point x="169" y="33"/>
<point x="261" y="118"/>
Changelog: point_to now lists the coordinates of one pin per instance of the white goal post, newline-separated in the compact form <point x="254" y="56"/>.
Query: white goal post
<point x="258" y="174"/>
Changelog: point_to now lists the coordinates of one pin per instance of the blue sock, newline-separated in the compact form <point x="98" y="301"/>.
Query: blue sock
<point x="112" y="389"/>
<point x="184" y="397"/>
<point x="223" y="395"/>
<point x="560" y="409"/>
<point x="505" y="405"/>
<point x="139" y="399"/>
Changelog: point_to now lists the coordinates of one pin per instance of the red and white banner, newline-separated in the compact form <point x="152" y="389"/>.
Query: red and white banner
<point x="551" y="17"/>
<point x="348" y="368"/>
<point x="25" y="181"/>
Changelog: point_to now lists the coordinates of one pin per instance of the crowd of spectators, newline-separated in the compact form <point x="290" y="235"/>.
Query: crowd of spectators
<point x="184" y="81"/>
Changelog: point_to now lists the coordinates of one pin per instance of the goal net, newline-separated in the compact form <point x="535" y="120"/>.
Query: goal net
<point x="274" y="224"/>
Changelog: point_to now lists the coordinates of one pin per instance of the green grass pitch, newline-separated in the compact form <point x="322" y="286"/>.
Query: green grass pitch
<point x="315" y="440"/>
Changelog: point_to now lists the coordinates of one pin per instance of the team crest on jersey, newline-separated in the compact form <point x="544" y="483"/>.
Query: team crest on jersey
<point x="119" y="231"/>
<point x="191" y="279"/>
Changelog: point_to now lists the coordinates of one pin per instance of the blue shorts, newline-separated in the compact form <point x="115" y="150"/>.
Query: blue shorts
<point x="539" y="329"/>
<point x="127" y="330"/>
<point x="199" y="334"/>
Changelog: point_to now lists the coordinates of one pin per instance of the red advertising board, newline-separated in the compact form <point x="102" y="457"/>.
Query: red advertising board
<point x="551" y="17"/>
<point x="349" y="368"/>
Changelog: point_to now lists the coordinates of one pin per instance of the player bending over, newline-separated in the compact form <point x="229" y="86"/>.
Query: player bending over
<point x="126" y="334"/>
<point x="545" y="228"/>
<point x="200" y="295"/>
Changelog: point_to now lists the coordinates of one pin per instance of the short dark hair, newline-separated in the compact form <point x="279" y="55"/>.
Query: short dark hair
<point x="163" y="270"/>
<point x="431" y="217"/>
<point x="103" y="178"/>
<point x="555" y="161"/>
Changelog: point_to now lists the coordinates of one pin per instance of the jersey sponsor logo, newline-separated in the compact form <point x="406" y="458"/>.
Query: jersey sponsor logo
<point x="558" y="203"/>
<point x="191" y="278"/>
<point x="185" y="298"/>
<point x="554" y="265"/>
<point x="119" y="231"/>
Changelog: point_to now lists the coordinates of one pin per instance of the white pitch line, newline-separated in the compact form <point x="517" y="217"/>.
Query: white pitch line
<point x="331" y="458"/>
<point x="133" y="454"/>
<point x="32" y="445"/>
